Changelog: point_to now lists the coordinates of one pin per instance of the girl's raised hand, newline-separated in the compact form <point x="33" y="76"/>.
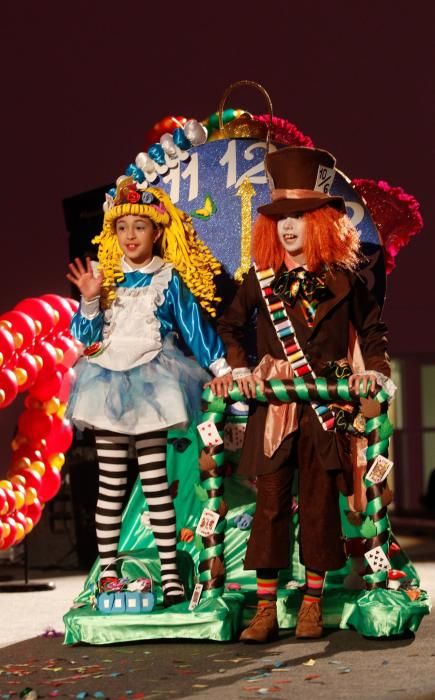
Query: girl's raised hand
<point x="83" y="277"/>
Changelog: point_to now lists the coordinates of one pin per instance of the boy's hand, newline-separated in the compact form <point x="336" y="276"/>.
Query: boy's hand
<point x="363" y="384"/>
<point x="88" y="284"/>
<point x="248" y="386"/>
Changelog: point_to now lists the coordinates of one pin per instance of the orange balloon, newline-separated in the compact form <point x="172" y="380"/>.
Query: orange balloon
<point x="51" y="406"/>
<point x="20" y="498"/>
<point x="31" y="495"/>
<point x="29" y="525"/>
<point x="39" y="361"/>
<point x="19" y="533"/>
<point x="62" y="410"/>
<point x="19" y="479"/>
<point x="57" y="460"/>
<point x="38" y="467"/>
<point x="21" y="375"/>
<point x="18" y="339"/>
<point x="5" y="484"/>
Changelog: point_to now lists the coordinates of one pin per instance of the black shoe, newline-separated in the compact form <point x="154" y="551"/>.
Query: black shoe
<point x="173" y="599"/>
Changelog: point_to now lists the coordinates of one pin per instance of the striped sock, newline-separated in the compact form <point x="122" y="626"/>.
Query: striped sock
<point x="151" y="456"/>
<point x="112" y="453"/>
<point x="267" y="586"/>
<point x="314" y="581"/>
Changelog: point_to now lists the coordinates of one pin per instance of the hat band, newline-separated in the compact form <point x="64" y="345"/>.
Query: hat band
<point x="299" y="194"/>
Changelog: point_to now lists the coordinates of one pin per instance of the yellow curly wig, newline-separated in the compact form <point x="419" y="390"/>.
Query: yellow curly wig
<point x="179" y="243"/>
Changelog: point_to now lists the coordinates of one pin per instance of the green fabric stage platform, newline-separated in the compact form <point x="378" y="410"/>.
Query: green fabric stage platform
<point x="373" y="613"/>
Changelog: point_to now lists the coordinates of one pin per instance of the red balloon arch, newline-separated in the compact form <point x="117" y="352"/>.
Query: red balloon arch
<point x="37" y="354"/>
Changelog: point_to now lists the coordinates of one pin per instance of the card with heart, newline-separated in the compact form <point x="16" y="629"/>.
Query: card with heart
<point x="207" y="522"/>
<point x="209" y="433"/>
<point x="379" y="470"/>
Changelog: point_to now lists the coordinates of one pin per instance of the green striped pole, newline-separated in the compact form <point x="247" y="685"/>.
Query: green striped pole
<point x="325" y="391"/>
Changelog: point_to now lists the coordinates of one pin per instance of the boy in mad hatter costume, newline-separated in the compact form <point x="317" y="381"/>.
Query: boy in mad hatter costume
<point x="307" y="297"/>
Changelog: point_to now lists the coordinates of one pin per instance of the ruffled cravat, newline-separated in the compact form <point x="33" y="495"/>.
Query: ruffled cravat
<point x="299" y="283"/>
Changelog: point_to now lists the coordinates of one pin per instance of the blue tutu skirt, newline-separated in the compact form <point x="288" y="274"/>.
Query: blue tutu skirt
<point x="163" y="393"/>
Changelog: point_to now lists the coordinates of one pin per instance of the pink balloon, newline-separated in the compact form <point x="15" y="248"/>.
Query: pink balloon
<point x="69" y="349"/>
<point x="67" y="382"/>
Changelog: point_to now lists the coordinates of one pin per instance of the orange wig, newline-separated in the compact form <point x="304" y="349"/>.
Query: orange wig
<point x="331" y="241"/>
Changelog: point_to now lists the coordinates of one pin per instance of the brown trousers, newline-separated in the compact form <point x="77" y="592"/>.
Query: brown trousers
<point x="320" y="541"/>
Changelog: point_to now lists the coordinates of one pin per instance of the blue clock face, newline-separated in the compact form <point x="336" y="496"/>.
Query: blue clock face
<point x="221" y="185"/>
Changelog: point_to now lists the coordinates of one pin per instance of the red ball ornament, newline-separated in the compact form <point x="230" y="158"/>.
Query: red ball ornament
<point x="60" y="437"/>
<point x="41" y="312"/>
<point x="8" y="387"/>
<point x="33" y="479"/>
<point x="34" y="511"/>
<point x="167" y="125"/>
<point x="4" y="506"/>
<point x="50" y="484"/>
<point x="10" y="539"/>
<point x="69" y="349"/>
<point x="74" y="304"/>
<point x="27" y="362"/>
<point x="35" y="424"/>
<point x="62" y="307"/>
<point x="67" y="382"/>
<point x="20" y="517"/>
<point x="46" y="387"/>
<point x="47" y="353"/>
<point x="21" y="322"/>
<point x="7" y="346"/>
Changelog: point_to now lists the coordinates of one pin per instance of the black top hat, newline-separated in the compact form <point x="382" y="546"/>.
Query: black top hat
<point x="301" y="179"/>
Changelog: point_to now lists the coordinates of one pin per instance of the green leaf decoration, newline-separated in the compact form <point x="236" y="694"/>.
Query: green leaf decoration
<point x="201" y="493"/>
<point x="368" y="528"/>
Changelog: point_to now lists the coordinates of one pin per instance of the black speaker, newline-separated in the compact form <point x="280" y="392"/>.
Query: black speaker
<point x="83" y="214"/>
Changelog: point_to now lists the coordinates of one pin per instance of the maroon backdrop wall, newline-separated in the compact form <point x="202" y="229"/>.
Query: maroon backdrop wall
<point x="82" y="82"/>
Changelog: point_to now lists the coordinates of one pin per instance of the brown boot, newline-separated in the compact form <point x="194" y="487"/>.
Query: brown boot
<point x="309" y="624"/>
<point x="263" y="626"/>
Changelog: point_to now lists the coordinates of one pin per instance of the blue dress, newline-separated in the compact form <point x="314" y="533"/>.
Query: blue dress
<point x="139" y="380"/>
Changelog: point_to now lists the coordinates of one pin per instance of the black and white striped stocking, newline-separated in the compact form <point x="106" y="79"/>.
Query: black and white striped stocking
<point x="112" y="451"/>
<point x="151" y="456"/>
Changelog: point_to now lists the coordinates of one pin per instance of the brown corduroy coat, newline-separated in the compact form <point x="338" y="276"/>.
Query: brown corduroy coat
<point x="350" y="302"/>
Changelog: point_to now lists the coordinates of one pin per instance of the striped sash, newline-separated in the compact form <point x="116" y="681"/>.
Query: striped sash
<point x="287" y="337"/>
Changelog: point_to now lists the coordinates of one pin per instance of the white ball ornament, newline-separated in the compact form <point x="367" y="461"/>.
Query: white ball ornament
<point x="195" y="132"/>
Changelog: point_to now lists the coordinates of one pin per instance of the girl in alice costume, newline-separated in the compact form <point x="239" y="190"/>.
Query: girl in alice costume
<point x="134" y="383"/>
<point x="306" y="296"/>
